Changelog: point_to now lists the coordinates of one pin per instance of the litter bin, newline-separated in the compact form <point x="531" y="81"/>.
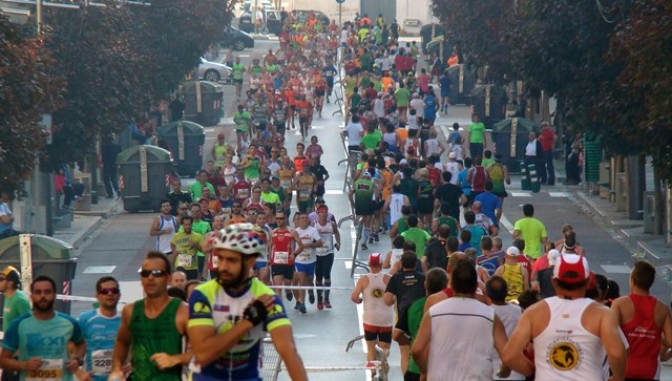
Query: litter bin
<point x="185" y="141"/>
<point x="203" y="102"/>
<point x="489" y="101"/>
<point x="144" y="177"/>
<point x="510" y="137"/>
<point x="524" y="181"/>
<point x="51" y="257"/>
<point x="462" y="83"/>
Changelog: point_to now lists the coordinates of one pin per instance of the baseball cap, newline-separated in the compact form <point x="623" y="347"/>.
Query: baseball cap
<point x="513" y="251"/>
<point x="553" y="256"/>
<point x="11" y="273"/>
<point x="403" y="162"/>
<point x="452" y="155"/>
<point x="366" y="174"/>
<point x="571" y="268"/>
<point x="375" y="259"/>
<point x="220" y="136"/>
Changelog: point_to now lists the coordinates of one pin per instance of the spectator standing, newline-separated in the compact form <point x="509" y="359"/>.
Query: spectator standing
<point x="110" y="150"/>
<point x="548" y="140"/>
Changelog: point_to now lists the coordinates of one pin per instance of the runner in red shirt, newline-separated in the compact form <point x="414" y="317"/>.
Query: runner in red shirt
<point x="320" y="90"/>
<point x="283" y="254"/>
<point x="643" y="319"/>
<point x="305" y="111"/>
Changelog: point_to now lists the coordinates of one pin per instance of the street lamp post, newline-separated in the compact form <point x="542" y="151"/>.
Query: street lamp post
<point x="340" y="11"/>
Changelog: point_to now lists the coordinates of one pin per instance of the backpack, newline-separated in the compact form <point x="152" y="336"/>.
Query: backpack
<point x="478" y="180"/>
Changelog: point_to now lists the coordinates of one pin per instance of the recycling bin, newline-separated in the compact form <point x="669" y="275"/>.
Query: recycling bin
<point x="185" y="141"/>
<point x="144" y="177"/>
<point x="50" y="257"/>
<point x="203" y="102"/>
<point x="462" y="81"/>
<point x="489" y="101"/>
<point x="524" y="181"/>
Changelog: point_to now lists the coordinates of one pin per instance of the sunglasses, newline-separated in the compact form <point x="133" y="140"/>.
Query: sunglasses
<point x="156" y="273"/>
<point x="109" y="290"/>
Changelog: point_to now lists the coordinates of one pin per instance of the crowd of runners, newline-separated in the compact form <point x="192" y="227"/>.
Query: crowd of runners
<point x="460" y="304"/>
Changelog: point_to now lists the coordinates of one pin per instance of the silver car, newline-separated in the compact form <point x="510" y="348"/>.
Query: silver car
<point x="213" y="71"/>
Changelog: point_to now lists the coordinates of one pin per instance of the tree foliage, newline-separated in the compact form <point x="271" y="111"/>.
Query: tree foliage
<point x="478" y="28"/>
<point x="27" y="89"/>
<point x="607" y="62"/>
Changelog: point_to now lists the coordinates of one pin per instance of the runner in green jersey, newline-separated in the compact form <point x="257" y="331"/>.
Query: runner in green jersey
<point x="238" y="73"/>
<point x="153" y="327"/>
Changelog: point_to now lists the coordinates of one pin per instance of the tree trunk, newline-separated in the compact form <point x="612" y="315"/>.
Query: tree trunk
<point x="659" y="204"/>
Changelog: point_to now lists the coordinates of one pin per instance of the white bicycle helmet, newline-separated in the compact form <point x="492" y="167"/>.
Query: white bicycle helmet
<point x="245" y="238"/>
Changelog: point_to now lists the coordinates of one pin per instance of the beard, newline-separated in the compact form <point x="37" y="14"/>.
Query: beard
<point x="235" y="281"/>
<point x="47" y="308"/>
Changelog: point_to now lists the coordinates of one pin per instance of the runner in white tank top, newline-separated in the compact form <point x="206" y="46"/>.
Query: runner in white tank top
<point x="396" y="202"/>
<point x="454" y="168"/>
<point x="163" y="241"/>
<point x="376" y="312"/>
<point x="565" y="350"/>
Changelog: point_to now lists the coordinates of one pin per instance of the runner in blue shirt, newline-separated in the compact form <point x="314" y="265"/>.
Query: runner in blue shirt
<point x="329" y="72"/>
<point x="40" y="340"/>
<point x="100" y="328"/>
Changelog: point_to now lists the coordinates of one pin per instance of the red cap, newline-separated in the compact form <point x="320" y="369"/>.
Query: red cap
<point x="321" y="207"/>
<point x="571" y="268"/>
<point x="375" y="259"/>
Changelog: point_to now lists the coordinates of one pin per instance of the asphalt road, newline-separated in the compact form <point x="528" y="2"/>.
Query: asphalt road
<point x="322" y="336"/>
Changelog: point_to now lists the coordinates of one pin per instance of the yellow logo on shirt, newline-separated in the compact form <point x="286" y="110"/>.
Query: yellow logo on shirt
<point x="201" y="308"/>
<point x="564" y="354"/>
<point x="377" y="293"/>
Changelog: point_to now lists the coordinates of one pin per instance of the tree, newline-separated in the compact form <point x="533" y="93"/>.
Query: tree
<point x="27" y="89"/>
<point x="173" y="34"/>
<point x="106" y="78"/>
<point x="478" y="28"/>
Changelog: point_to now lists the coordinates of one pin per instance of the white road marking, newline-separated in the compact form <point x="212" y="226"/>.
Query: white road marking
<point x="506" y="224"/>
<point x="348" y="265"/>
<point x="616" y="269"/>
<point x="333" y="192"/>
<point x="244" y="55"/>
<point x="520" y="194"/>
<point x="558" y="194"/>
<point x="99" y="269"/>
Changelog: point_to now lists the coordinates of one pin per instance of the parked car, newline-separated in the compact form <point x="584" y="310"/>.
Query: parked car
<point x="213" y="71"/>
<point x="236" y="38"/>
<point x="273" y="23"/>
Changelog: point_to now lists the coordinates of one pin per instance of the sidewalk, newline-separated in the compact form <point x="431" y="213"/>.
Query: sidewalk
<point x="85" y="223"/>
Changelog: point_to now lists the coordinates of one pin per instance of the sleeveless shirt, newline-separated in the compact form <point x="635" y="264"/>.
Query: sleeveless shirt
<point x="644" y="338"/>
<point x="376" y="312"/>
<point x="150" y="336"/>
<point x="565" y="350"/>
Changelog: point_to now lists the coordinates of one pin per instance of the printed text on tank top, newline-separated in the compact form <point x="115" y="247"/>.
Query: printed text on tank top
<point x="282" y="247"/>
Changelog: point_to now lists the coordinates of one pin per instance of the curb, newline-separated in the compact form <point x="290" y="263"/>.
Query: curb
<point x="83" y="235"/>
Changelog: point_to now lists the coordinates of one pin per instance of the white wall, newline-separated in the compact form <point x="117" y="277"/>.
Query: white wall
<point x="328" y="7"/>
<point x="415" y="10"/>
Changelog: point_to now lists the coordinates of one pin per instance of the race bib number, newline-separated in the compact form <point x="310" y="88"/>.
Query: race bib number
<point x="243" y="193"/>
<point x="304" y="256"/>
<point x="184" y="260"/>
<point x="286" y="184"/>
<point x="50" y="370"/>
<point x="101" y="361"/>
<point x="325" y="248"/>
<point x="281" y="257"/>
<point x="305" y="194"/>
<point x="226" y="211"/>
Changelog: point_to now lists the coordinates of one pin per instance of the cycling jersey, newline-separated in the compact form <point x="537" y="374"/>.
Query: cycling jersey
<point x="211" y="306"/>
<point x="100" y="333"/>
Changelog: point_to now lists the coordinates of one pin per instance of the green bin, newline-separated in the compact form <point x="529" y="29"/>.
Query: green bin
<point x="186" y="141"/>
<point x="463" y="82"/>
<point x="51" y="257"/>
<point x="524" y="181"/>
<point x="535" y="186"/>
<point x="203" y="102"/>
<point x="144" y="177"/>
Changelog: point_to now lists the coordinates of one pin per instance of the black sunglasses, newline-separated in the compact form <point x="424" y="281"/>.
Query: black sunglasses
<point x="109" y="290"/>
<point x="156" y="273"/>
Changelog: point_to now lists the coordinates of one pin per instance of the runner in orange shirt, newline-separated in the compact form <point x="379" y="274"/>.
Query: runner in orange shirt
<point x="305" y="111"/>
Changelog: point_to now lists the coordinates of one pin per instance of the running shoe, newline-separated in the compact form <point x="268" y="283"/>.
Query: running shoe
<point x="364" y="247"/>
<point x="297" y="306"/>
<point x="302" y="308"/>
<point x="320" y="306"/>
<point x="311" y="296"/>
<point x="289" y="295"/>
<point x="327" y="304"/>
<point x="375" y="237"/>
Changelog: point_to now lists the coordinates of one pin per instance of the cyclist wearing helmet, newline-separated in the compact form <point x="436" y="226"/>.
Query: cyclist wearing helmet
<point x="229" y="316"/>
